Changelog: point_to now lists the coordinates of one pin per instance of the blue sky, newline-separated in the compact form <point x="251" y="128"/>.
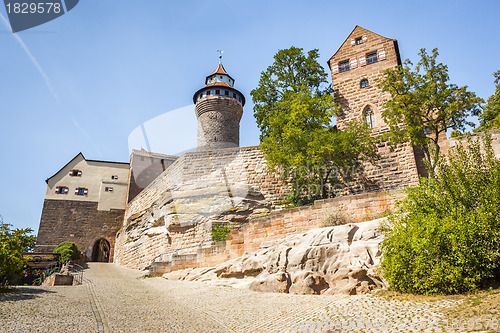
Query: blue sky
<point x="85" y="81"/>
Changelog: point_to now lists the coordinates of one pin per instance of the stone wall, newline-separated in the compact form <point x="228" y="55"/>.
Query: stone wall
<point x="177" y="210"/>
<point x="445" y="145"/>
<point x="248" y="237"/>
<point x="79" y="222"/>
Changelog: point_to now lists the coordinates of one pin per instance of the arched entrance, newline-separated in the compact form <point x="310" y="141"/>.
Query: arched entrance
<point x="101" y="250"/>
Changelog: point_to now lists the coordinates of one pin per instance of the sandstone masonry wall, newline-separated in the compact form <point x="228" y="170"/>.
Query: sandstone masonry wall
<point x="76" y="221"/>
<point x="171" y="214"/>
<point x="279" y="224"/>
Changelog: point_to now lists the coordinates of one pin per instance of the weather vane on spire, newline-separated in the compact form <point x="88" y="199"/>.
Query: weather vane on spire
<point x="220" y="55"/>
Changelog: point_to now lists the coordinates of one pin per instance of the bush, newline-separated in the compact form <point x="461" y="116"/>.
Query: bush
<point x="336" y="217"/>
<point x="68" y="251"/>
<point x="220" y="232"/>
<point x="445" y="235"/>
<point x="13" y="242"/>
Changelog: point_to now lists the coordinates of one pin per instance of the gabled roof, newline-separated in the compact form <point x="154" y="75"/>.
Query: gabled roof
<point x="74" y="158"/>
<point x="357" y="30"/>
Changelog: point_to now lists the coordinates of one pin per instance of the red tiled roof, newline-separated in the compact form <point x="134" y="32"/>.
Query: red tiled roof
<point x="219" y="70"/>
<point x="219" y="84"/>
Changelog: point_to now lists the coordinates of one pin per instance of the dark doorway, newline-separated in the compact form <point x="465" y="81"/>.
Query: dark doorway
<point x="100" y="251"/>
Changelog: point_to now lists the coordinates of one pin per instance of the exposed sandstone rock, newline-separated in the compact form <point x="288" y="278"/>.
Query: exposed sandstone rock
<point x="335" y="260"/>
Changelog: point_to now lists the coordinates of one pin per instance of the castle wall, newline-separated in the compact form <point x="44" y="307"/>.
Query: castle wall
<point x="79" y="222"/>
<point x="177" y="210"/>
<point x="250" y="236"/>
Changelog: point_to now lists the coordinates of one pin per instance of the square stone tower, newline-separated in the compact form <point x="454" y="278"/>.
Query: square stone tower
<point x="357" y="68"/>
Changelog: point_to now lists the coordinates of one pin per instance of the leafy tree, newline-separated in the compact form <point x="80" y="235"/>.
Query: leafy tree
<point x="12" y="245"/>
<point x="424" y="105"/>
<point x="490" y="117"/>
<point x="294" y="107"/>
<point x="68" y="251"/>
<point x="445" y="236"/>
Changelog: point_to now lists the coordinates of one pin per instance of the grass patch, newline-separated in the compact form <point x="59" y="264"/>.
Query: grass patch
<point x="480" y="305"/>
<point x="397" y="296"/>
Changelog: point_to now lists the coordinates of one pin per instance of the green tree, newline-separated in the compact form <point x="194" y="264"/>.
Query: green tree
<point x="445" y="236"/>
<point x="13" y="242"/>
<point x="68" y="251"/>
<point x="424" y="105"/>
<point x="294" y="107"/>
<point x="490" y="117"/>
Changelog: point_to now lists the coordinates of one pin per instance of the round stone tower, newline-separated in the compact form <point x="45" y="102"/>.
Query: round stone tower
<point x="219" y="108"/>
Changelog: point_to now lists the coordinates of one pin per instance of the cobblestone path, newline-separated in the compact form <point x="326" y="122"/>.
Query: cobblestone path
<point x="116" y="299"/>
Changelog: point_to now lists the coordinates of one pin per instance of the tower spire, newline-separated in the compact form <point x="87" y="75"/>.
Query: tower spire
<point x="220" y="55"/>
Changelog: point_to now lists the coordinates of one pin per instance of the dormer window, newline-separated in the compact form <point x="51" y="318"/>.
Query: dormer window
<point x="75" y="173"/>
<point x="364" y="83"/>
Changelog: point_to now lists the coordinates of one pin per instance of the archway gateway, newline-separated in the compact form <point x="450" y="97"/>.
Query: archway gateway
<point x="101" y="251"/>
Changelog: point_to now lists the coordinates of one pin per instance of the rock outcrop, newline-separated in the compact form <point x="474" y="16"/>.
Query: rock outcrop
<point x="334" y="260"/>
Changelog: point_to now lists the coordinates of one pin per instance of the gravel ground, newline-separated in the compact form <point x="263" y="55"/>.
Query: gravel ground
<point x="116" y="299"/>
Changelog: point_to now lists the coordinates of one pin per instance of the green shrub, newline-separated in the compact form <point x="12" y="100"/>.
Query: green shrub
<point x="68" y="251"/>
<point x="336" y="217"/>
<point x="445" y="235"/>
<point x="220" y="231"/>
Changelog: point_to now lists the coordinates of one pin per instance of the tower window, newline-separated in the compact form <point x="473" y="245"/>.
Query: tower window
<point x="108" y="189"/>
<point x="217" y="92"/>
<point x="372" y="58"/>
<point x="359" y="40"/>
<point x="344" y="66"/>
<point x="208" y="92"/>
<point x="364" y="83"/>
<point x="234" y="95"/>
<point x="114" y="177"/>
<point x="226" y="92"/>
<point x="369" y="117"/>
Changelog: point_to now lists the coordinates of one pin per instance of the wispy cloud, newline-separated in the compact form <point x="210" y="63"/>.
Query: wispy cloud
<point x="47" y="80"/>
<point x="31" y="57"/>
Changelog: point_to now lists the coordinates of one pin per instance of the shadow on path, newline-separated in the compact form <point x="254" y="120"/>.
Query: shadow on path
<point x="23" y="293"/>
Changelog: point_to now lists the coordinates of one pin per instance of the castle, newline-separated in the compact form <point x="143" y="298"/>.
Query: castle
<point x="159" y="211"/>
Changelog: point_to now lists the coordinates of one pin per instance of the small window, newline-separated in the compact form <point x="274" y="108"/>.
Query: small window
<point x="81" y="191"/>
<point x="369" y="117"/>
<point x="217" y="92"/>
<point x="234" y="95"/>
<point x="62" y="190"/>
<point x="344" y="66"/>
<point x="364" y="83"/>
<point x="114" y="177"/>
<point x="372" y="58"/>
<point x="226" y="92"/>
<point x="142" y="158"/>
<point x="208" y="92"/>
<point x="359" y="40"/>
<point x="75" y="173"/>
<point x="108" y="189"/>
<point x="220" y="76"/>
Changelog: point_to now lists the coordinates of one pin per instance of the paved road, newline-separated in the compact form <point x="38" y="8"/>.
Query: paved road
<point x="116" y="299"/>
